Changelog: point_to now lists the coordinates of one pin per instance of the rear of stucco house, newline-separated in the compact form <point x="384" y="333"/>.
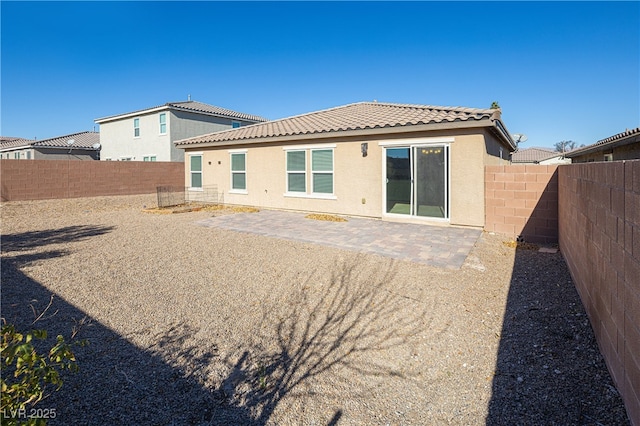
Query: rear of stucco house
<point x="392" y="161"/>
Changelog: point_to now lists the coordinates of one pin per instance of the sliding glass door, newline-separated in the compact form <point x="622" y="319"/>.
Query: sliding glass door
<point x="417" y="181"/>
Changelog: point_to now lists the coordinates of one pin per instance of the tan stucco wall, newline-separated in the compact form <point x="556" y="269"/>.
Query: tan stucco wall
<point x="358" y="180"/>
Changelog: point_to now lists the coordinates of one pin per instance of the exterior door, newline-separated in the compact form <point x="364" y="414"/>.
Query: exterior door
<point x="417" y="181"/>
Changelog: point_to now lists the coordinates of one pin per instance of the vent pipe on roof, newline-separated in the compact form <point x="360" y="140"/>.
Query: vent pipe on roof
<point x="189" y="97"/>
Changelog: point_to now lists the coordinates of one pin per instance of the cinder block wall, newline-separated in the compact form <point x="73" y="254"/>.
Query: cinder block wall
<point x="522" y="201"/>
<point x="599" y="223"/>
<point x="46" y="179"/>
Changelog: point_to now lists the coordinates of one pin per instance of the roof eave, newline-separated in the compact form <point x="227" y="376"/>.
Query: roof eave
<point x="131" y="114"/>
<point x="603" y="146"/>
<point x="351" y="133"/>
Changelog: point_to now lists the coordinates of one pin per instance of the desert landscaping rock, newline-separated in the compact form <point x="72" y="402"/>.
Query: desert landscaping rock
<point x="198" y="325"/>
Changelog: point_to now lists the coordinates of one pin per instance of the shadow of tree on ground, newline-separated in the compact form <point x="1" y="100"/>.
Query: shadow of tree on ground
<point x="326" y="328"/>
<point x="549" y="369"/>
<point x="322" y="327"/>
<point x="30" y="240"/>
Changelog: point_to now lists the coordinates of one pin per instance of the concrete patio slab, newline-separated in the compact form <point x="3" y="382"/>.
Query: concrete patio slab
<point x="440" y="246"/>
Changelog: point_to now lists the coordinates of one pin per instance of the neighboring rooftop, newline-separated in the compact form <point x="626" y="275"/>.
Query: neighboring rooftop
<point x="358" y="117"/>
<point x="11" y="142"/>
<point x="84" y="140"/>
<point x="533" y="155"/>
<point x="191" y="106"/>
<point x="623" y="138"/>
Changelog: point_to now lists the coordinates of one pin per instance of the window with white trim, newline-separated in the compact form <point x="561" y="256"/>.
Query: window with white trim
<point x="163" y="123"/>
<point x="239" y="171"/>
<point x="297" y="171"/>
<point x="149" y="158"/>
<point x="195" y="170"/>
<point x="136" y="127"/>
<point x="322" y="171"/>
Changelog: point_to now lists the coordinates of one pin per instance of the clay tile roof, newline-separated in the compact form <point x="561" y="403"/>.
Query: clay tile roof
<point x="532" y="155"/>
<point x="628" y="136"/>
<point x="193" y="106"/>
<point x="11" y="142"/>
<point x="81" y="140"/>
<point x="211" y="109"/>
<point x="357" y="116"/>
<point x="84" y="140"/>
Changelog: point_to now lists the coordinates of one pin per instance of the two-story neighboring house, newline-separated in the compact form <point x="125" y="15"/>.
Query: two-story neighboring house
<point x="148" y="135"/>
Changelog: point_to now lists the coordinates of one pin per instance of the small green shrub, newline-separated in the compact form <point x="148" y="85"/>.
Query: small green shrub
<point x="27" y="374"/>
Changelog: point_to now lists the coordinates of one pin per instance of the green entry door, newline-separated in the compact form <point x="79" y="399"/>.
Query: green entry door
<point x="417" y="181"/>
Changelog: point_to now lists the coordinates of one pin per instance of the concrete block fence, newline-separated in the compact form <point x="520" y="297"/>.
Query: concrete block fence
<point x="521" y="201"/>
<point x="48" y="179"/>
<point x="599" y="229"/>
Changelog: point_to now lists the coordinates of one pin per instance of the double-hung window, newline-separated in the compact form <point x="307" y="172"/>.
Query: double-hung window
<point x="195" y="170"/>
<point x="239" y="172"/>
<point x="163" y="123"/>
<point x="136" y="127"/>
<point x="322" y="171"/>
<point x="297" y="171"/>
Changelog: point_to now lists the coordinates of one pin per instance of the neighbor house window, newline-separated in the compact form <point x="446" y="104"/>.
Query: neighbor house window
<point x="149" y="158"/>
<point x="195" y="168"/>
<point x="296" y="171"/>
<point x="239" y="171"/>
<point x="608" y="157"/>
<point x="235" y="124"/>
<point x="322" y="171"/>
<point x="16" y="156"/>
<point x="136" y="127"/>
<point x="163" y="123"/>
<point x="28" y="155"/>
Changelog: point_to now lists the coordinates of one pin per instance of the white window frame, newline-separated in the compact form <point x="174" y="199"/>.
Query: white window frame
<point x="136" y="127"/>
<point x="288" y="172"/>
<point x="162" y="114"/>
<point x="233" y="152"/>
<point x="191" y="172"/>
<point x="322" y="172"/>
<point x="150" y="158"/>
<point x="308" y="172"/>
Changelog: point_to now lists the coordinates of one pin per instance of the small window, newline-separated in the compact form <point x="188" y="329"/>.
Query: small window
<point x="163" y="123"/>
<point x="235" y="124"/>
<point x="608" y="157"/>
<point x="322" y="171"/>
<point x="28" y="155"/>
<point x="239" y="171"/>
<point x="149" y="158"/>
<point x="125" y="159"/>
<point x="16" y="155"/>
<point x="195" y="168"/>
<point x="136" y="127"/>
<point x="296" y="171"/>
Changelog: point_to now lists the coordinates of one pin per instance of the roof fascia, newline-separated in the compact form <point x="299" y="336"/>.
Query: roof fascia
<point x="346" y="134"/>
<point x="601" y="147"/>
<point x="131" y="114"/>
<point x="14" y="148"/>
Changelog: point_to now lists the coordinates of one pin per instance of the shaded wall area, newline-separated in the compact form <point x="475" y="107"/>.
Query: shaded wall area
<point x="49" y="179"/>
<point x="599" y="224"/>
<point x="521" y="201"/>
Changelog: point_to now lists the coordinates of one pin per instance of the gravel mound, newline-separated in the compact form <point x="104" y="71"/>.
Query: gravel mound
<point x="193" y="325"/>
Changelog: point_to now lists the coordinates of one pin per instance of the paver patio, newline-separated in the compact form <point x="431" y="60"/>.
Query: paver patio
<point x="440" y="246"/>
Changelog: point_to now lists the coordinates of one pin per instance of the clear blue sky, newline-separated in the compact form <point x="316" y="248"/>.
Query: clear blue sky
<point x="560" y="71"/>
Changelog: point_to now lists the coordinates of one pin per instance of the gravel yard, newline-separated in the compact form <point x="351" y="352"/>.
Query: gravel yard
<point x="195" y="325"/>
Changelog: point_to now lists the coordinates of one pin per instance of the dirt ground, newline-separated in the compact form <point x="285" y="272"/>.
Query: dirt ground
<point x="194" y="325"/>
